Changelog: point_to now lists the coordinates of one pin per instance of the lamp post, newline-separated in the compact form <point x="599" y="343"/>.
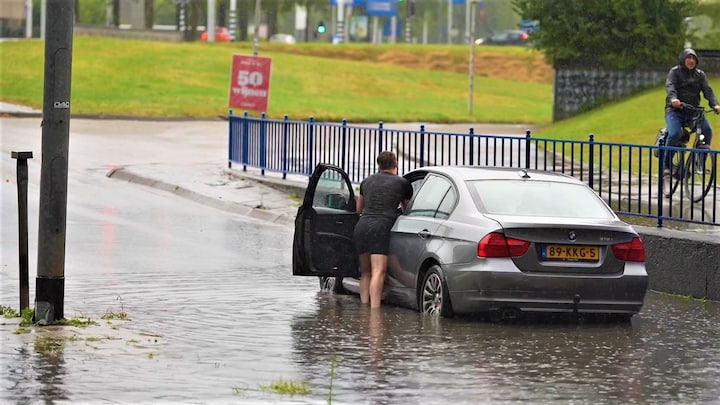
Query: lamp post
<point x="233" y="20"/>
<point x="471" y="68"/>
<point x="256" y="31"/>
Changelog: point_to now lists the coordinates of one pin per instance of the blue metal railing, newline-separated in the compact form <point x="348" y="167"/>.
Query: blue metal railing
<point x="627" y="176"/>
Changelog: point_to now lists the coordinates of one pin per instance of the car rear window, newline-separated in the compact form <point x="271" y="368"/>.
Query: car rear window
<point x="538" y="198"/>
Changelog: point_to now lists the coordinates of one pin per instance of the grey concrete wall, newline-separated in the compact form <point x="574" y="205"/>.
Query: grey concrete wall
<point x="685" y="263"/>
<point x="579" y="88"/>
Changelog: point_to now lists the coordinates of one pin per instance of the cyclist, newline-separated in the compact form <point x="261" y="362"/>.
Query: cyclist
<point x="684" y="84"/>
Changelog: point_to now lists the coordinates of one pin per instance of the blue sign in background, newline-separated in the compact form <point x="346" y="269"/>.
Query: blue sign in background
<point x="381" y="8"/>
<point x="354" y="3"/>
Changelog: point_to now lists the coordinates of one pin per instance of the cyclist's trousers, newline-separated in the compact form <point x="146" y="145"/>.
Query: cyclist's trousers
<point x="673" y="123"/>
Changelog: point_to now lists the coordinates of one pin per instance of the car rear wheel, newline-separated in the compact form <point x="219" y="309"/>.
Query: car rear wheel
<point x="434" y="297"/>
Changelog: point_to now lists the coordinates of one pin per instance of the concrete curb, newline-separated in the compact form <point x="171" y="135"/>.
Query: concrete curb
<point x="125" y="174"/>
<point x="283" y="185"/>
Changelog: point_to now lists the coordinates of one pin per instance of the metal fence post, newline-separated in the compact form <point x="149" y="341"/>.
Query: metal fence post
<point x="311" y="128"/>
<point x="422" y="145"/>
<point x="380" y="140"/>
<point x="472" y="145"/>
<point x="263" y="143"/>
<point x="591" y="162"/>
<point x="22" y="185"/>
<point x="286" y="142"/>
<point x="527" y="149"/>
<point x="230" y="138"/>
<point x="245" y="140"/>
<point x="661" y="181"/>
<point x="343" y="149"/>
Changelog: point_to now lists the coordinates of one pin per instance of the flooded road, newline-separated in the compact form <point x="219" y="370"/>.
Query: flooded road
<point x="213" y="315"/>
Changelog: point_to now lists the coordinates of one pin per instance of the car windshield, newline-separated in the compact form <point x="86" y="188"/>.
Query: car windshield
<point x="538" y="198"/>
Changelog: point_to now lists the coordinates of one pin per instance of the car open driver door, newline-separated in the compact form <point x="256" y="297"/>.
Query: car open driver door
<point x="324" y="225"/>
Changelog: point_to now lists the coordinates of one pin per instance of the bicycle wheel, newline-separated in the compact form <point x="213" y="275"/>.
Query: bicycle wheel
<point x="700" y="178"/>
<point x="677" y="173"/>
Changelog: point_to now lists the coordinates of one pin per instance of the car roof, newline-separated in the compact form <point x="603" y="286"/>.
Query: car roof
<point x="466" y="173"/>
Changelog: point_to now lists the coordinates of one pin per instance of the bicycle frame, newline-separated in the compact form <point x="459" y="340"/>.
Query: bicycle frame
<point x="691" y="166"/>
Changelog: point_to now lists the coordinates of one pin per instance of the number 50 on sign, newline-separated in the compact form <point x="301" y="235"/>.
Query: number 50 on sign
<point x="250" y="83"/>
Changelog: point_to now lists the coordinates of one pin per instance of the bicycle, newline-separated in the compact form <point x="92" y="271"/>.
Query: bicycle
<point x="692" y="167"/>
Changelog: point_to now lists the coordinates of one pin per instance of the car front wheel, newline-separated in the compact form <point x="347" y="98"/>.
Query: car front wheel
<point x="332" y="284"/>
<point x="434" y="297"/>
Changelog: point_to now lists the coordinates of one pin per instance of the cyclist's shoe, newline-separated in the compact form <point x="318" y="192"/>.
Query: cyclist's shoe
<point x="667" y="183"/>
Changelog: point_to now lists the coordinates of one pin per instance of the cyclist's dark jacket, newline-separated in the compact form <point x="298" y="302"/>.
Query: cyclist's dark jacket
<point x="685" y="84"/>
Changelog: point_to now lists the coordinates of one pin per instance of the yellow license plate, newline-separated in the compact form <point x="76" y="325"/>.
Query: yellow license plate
<point x="570" y="252"/>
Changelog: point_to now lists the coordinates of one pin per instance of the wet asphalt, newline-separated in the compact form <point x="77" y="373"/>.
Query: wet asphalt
<point x="213" y="315"/>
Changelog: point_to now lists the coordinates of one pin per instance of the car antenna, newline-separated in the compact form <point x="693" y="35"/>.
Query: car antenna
<point x="525" y="174"/>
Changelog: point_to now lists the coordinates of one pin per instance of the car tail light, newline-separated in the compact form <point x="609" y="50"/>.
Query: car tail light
<point x="633" y="251"/>
<point x="525" y="36"/>
<point x="495" y="244"/>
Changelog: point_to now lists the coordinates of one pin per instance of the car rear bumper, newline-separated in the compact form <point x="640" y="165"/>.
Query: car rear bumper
<point x="476" y="290"/>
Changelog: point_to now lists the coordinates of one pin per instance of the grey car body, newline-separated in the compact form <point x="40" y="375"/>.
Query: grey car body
<point x="481" y="239"/>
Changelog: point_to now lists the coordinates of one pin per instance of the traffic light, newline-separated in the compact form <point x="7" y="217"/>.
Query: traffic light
<point x="321" y="28"/>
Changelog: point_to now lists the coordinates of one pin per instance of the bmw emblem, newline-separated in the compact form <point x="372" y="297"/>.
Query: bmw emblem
<point x="572" y="235"/>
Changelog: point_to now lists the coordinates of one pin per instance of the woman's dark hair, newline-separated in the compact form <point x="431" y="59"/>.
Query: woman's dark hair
<point x="386" y="160"/>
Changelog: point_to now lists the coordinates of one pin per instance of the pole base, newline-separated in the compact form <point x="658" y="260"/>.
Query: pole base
<point x="49" y="298"/>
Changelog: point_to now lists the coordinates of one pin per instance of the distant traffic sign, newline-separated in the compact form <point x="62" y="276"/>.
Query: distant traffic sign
<point x="353" y="3"/>
<point x="381" y="8"/>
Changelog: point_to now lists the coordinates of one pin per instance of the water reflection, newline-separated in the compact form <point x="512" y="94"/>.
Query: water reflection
<point x="50" y="366"/>
<point x="38" y="363"/>
<point x="396" y="354"/>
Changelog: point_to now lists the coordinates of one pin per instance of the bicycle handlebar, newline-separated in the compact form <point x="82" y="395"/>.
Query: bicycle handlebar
<point x="684" y="105"/>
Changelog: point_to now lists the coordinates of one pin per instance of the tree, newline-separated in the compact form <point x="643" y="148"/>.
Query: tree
<point x="709" y="38"/>
<point x="615" y="34"/>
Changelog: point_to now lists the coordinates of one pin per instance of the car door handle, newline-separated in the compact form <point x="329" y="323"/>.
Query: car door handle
<point x="424" y="234"/>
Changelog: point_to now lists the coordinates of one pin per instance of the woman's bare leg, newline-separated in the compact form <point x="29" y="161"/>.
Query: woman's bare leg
<point x="378" y="264"/>
<point x="365" y="275"/>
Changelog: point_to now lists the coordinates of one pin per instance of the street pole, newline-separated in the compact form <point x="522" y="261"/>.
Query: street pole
<point x="468" y="8"/>
<point x="43" y="15"/>
<point x="181" y="18"/>
<point x="449" y="21"/>
<point x="407" y="22"/>
<point x="471" y="39"/>
<point x="108" y="13"/>
<point x="256" y="31"/>
<point x="22" y="183"/>
<point x="50" y="282"/>
<point x="233" y="19"/>
<point x="340" y="28"/>
<point x="28" y="18"/>
<point x="211" y="20"/>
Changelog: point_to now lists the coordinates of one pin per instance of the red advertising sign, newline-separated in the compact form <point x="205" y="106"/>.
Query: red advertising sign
<point x="250" y="83"/>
